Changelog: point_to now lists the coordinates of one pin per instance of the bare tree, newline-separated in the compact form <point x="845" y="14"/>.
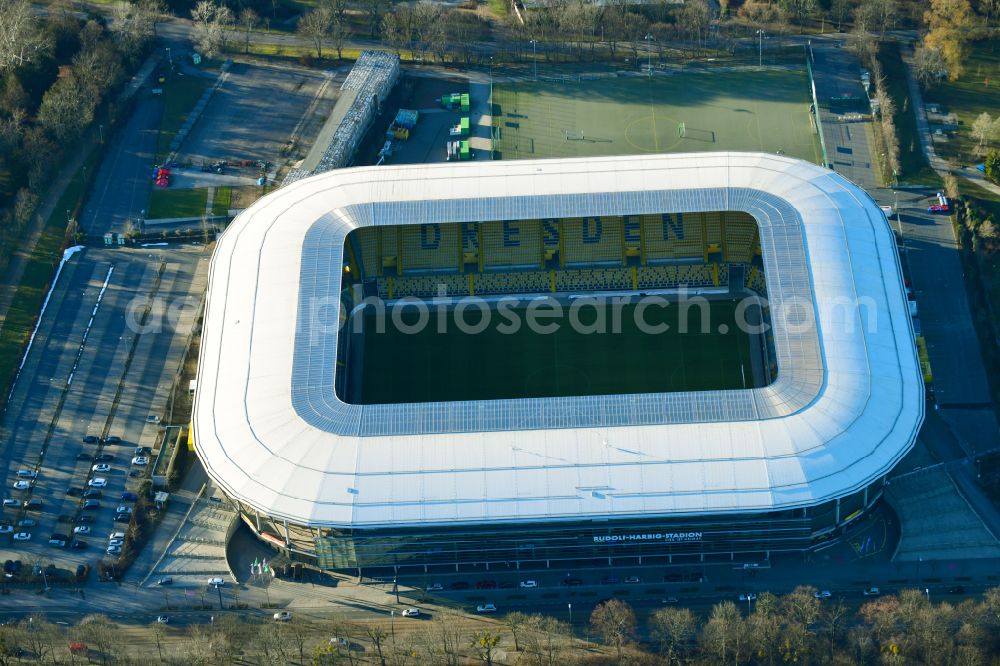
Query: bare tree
<point x="133" y="24"/>
<point x="212" y="23"/>
<point x="929" y="65"/>
<point x="798" y="10"/>
<point x="547" y="640"/>
<point x="339" y="31"/>
<point x="724" y="636"/>
<point x="21" y="36"/>
<point x="315" y="26"/>
<point x="66" y="108"/>
<point x="374" y="9"/>
<point x="674" y="629"/>
<point x="878" y="15"/>
<point x="248" y="21"/>
<point x="614" y="621"/>
<point x="515" y="622"/>
<point x="484" y="644"/>
<point x="983" y="130"/>
<point x="840" y="11"/>
<point x="377" y="635"/>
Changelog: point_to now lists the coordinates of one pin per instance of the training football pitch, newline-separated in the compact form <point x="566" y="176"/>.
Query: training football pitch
<point x="740" y="111"/>
<point x="428" y="366"/>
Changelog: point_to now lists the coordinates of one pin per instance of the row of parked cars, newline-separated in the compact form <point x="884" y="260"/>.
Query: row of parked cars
<point x="490" y="584"/>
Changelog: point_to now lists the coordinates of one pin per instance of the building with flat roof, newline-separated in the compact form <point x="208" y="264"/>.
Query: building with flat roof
<point x="778" y="459"/>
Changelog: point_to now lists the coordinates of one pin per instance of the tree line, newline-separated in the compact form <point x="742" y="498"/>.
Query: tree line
<point x="904" y="629"/>
<point x="56" y="70"/>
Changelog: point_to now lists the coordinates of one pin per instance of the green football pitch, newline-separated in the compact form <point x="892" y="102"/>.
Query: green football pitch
<point x="426" y="366"/>
<point x="740" y="111"/>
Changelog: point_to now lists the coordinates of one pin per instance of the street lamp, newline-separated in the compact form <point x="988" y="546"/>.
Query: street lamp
<point x="570" y="607"/>
<point x="218" y="588"/>
<point x="760" y="48"/>
<point x="649" y="53"/>
<point x="534" y="58"/>
<point x="927" y="591"/>
<point x="101" y="128"/>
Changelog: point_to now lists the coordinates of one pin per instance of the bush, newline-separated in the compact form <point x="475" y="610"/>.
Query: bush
<point x="993" y="166"/>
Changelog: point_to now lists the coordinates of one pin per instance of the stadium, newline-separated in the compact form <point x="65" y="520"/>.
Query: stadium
<point x="664" y="359"/>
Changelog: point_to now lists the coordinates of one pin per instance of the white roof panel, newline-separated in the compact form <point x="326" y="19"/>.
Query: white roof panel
<point x="846" y="405"/>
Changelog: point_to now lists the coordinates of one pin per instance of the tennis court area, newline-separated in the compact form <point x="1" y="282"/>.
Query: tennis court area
<point x="743" y="111"/>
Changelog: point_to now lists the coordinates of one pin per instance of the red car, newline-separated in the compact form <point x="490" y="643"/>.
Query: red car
<point x="486" y="585"/>
<point x="937" y="208"/>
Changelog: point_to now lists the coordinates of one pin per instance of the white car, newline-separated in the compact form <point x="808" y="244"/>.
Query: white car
<point x="124" y="509"/>
<point x="22" y="536"/>
<point x="216" y="582"/>
<point x="528" y="584"/>
<point x="823" y="594"/>
<point x="871" y="592"/>
<point x="435" y="587"/>
<point x="99" y="482"/>
<point x="283" y="616"/>
<point x="162" y="619"/>
<point x="338" y="641"/>
<point x="81" y="529"/>
<point x="6" y="529"/>
<point x="11" y="502"/>
<point x="101" y="468"/>
<point x="116" y="542"/>
<point x="22" y="485"/>
<point x="411" y="612"/>
<point x="140" y="460"/>
<point x="117" y="534"/>
<point x="486" y="608"/>
<point x="26" y="473"/>
<point x="114" y="550"/>
<point x="633" y="579"/>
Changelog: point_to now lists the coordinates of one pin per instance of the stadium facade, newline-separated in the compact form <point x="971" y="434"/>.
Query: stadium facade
<point x="673" y="476"/>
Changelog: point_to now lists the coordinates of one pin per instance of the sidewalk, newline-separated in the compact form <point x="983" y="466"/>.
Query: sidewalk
<point x="15" y="271"/>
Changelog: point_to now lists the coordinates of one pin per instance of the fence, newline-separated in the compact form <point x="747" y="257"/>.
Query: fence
<point x="815" y="105"/>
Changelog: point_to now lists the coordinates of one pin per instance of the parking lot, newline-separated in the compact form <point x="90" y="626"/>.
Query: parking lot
<point x="255" y="112"/>
<point x="92" y="391"/>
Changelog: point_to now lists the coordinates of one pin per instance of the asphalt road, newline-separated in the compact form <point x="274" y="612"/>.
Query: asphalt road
<point x="122" y="186"/>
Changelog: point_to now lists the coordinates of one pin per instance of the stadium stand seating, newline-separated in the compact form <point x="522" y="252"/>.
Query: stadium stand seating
<point x="592" y="240"/>
<point x="510" y="257"/>
<point x="515" y="244"/>
<point x="535" y="282"/>
<point x="593" y="279"/>
<point x="430" y="246"/>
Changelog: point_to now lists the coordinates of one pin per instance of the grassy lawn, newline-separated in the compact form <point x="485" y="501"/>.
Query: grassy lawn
<point x="427" y="365"/>
<point x="967" y="98"/>
<point x="223" y="200"/>
<point x="27" y="302"/>
<point x="180" y="94"/>
<point x="913" y="164"/>
<point x="177" y="203"/>
<point x="750" y="110"/>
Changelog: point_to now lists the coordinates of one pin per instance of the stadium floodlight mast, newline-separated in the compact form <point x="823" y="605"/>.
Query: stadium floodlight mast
<point x="649" y="53"/>
<point x="760" y="48"/>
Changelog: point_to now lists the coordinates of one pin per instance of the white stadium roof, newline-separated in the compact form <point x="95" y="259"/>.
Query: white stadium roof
<point x="845" y="408"/>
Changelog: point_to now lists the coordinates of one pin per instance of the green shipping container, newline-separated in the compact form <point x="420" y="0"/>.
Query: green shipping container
<point x="465" y="101"/>
<point x="464" y="126"/>
<point x="463" y="150"/>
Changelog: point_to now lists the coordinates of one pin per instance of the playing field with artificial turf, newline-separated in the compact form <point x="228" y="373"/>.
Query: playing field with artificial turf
<point x="740" y="111"/>
<point x="428" y="366"/>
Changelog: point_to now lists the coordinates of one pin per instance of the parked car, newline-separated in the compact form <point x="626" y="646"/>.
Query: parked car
<point x="572" y="582"/>
<point x="91" y="505"/>
<point x="32" y="504"/>
<point x="127" y="510"/>
<point x="411" y="612"/>
<point x="114" y="550"/>
<point x="27" y="522"/>
<point x="823" y="594"/>
<point x="283" y="616"/>
<point x="90" y="439"/>
<point x="162" y="619"/>
<point x="11" y="502"/>
<point x="142" y="451"/>
<point x="938" y="208"/>
<point x="98" y="482"/>
<point x="73" y="491"/>
<point x="81" y="529"/>
<point x="139" y="461"/>
<point x="486" y="608"/>
<point x="528" y="584"/>
<point x="92" y="493"/>
<point x="21" y="484"/>
<point x="749" y="596"/>
<point x="216" y="582"/>
<point x="26" y="474"/>
<point x="57" y="540"/>
<point x="165" y="580"/>
<point x="122" y="518"/>
<point x="113" y="439"/>
<point x="116" y="534"/>
<point x="78" y="545"/>
<point x="129" y="497"/>
<point x="82" y="455"/>
<point x="116" y="542"/>
<point x="80" y="520"/>
<point x="22" y="536"/>
<point x="104" y="457"/>
<point x="871" y="592"/>
<point x="633" y="580"/>
<point x="101" y="468"/>
<point x="435" y="587"/>
<point x="6" y="529"/>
